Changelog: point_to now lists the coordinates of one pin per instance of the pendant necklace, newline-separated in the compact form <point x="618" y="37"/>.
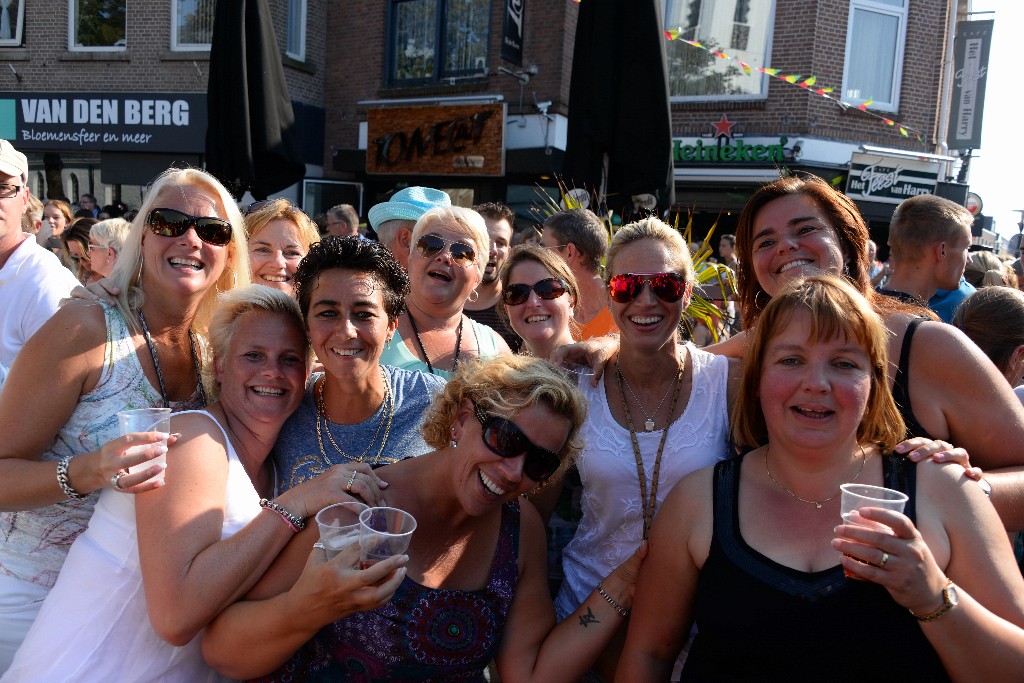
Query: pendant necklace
<point x="648" y="504"/>
<point x="458" y="343"/>
<point x="649" y="423"/>
<point x="815" y="503"/>
<point x="387" y="408"/>
<point x="156" y="362"/>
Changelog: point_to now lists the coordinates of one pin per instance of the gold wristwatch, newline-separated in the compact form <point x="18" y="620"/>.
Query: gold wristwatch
<point x="950" y="598"/>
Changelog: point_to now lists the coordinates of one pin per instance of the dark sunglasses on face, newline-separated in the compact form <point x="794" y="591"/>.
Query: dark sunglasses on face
<point x="504" y="437"/>
<point x="669" y="287"/>
<point x="548" y="288"/>
<point x="429" y="246"/>
<point x="173" y="223"/>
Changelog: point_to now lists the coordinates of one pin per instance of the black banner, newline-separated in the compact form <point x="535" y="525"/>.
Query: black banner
<point x="122" y="122"/>
<point x="512" y="33"/>
<point x="973" y="40"/>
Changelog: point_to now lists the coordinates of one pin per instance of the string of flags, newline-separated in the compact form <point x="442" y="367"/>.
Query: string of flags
<point x="808" y="83"/>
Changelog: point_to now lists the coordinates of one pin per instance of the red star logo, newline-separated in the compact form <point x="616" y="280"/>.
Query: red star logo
<point x="723" y="127"/>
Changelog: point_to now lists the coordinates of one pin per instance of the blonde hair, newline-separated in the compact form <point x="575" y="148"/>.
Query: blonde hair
<point x="835" y="308"/>
<point x="231" y="306"/>
<point x="111" y="233"/>
<point x="282" y="209"/>
<point x="507" y="385"/>
<point x="651" y="229"/>
<point x="128" y="268"/>
<point x="985" y="269"/>
<point x="457" y="219"/>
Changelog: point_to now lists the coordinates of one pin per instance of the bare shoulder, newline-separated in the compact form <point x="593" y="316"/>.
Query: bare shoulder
<point x="733" y="347"/>
<point x="78" y="323"/>
<point x="691" y="496"/>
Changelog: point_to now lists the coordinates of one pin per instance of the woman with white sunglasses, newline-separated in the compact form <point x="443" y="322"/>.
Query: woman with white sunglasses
<point x="446" y="263"/>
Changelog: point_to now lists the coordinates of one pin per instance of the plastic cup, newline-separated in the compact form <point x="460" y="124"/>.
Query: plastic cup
<point x="383" y="532"/>
<point x="857" y="496"/>
<point x="339" y="526"/>
<point x="578" y="370"/>
<point x="145" y="420"/>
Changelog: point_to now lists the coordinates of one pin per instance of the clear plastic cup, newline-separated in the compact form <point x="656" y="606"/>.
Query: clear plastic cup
<point x="145" y="420"/>
<point x="339" y="526"/>
<point x="857" y="496"/>
<point x="383" y="532"/>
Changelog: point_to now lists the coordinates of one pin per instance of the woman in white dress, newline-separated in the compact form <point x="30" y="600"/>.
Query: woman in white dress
<point x="200" y="541"/>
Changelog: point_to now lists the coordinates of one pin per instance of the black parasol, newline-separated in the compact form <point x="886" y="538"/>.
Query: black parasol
<point x="250" y="137"/>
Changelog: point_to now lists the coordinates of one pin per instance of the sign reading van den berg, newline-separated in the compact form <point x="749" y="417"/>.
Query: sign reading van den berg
<point x="125" y="122"/>
<point x="890" y="180"/>
<point x="464" y="140"/>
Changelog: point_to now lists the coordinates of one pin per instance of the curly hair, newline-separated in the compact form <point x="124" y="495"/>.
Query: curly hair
<point x="357" y="255"/>
<point x="835" y="308"/>
<point x="507" y="385"/>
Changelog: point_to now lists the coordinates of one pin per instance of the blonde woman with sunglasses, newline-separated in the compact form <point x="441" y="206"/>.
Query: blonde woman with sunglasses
<point x="91" y="360"/>
<point x="446" y="263"/>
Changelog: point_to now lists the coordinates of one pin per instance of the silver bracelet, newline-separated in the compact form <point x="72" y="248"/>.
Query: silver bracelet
<point x="611" y="601"/>
<point x="64" y="482"/>
<point x="296" y="523"/>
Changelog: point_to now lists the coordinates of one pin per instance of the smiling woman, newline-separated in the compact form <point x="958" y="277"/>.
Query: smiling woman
<point x="279" y="236"/>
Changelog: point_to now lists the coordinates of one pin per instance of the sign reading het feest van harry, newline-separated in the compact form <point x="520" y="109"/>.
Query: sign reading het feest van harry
<point x="890" y="180"/>
<point x="448" y="140"/>
<point x="122" y="122"/>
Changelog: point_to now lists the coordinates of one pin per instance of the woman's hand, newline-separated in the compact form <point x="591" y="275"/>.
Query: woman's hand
<point x="594" y="352"/>
<point x="900" y="561"/>
<point x="621" y="583"/>
<point x="117" y="455"/>
<point x="103" y="289"/>
<point x="337" y="587"/>
<point x="920" y="448"/>
<point x="350" y="481"/>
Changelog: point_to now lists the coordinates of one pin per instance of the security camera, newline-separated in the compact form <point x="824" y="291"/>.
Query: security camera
<point x="542" y="107"/>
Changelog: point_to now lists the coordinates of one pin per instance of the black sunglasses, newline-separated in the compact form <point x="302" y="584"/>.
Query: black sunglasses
<point x="548" y="288"/>
<point x="669" y="287"/>
<point x="504" y="437"/>
<point x="173" y="223"/>
<point x="429" y="246"/>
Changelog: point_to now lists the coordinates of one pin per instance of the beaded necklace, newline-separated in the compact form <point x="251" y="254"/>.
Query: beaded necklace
<point x="387" y="406"/>
<point x="156" y="362"/>
<point x="423" y="350"/>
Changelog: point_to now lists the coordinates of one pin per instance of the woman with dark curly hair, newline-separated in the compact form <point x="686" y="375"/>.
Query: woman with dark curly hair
<point x="351" y="292"/>
<point x="474" y="587"/>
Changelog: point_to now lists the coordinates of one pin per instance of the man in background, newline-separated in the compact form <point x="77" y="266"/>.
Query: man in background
<point x="499" y="219"/>
<point x="394" y="219"/>
<point x="342" y="220"/>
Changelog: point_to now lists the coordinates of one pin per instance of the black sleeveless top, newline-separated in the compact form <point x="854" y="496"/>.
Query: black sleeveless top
<point x="758" y="620"/>
<point x="901" y="385"/>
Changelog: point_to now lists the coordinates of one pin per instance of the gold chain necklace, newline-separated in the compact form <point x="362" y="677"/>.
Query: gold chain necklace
<point x="815" y="503"/>
<point x="649" y="423"/>
<point x="388" y="405"/>
<point x="648" y="503"/>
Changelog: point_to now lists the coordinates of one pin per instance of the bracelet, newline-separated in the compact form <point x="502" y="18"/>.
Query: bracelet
<point x="296" y="524"/>
<point x="64" y="482"/>
<point x="611" y="601"/>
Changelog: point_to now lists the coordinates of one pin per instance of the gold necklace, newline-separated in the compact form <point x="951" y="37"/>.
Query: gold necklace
<point x="815" y="503"/>
<point x="387" y="405"/>
<point x="648" y="503"/>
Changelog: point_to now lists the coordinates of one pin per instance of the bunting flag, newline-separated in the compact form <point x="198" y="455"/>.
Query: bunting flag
<point x="807" y="83"/>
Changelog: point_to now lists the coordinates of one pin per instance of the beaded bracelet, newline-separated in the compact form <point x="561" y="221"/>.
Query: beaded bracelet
<point x="64" y="482"/>
<point x="611" y="601"/>
<point x="296" y="524"/>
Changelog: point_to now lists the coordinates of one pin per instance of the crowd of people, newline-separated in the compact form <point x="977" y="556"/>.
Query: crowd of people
<point x="501" y="393"/>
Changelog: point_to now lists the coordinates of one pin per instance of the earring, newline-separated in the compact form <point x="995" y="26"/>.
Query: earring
<point x="388" y="344"/>
<point x="473" y="296"/>
<point x="757" y="304"/>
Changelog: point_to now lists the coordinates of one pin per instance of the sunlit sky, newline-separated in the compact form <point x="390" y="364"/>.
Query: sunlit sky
<point x="996" y="171"/>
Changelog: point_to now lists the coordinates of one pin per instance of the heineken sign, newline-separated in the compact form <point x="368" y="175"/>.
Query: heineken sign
<point x="728" y="150"/>
<point x="888" y="179"/>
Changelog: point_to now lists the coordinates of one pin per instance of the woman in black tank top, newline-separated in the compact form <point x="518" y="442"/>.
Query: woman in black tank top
<point x="756" y="554"/>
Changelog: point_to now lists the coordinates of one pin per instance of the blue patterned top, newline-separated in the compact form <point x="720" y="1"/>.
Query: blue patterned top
<point x="422" y="634"/>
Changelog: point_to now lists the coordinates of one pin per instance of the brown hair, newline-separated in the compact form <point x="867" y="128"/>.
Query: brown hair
<point x="993" y="317"/>
<point x="835" y="308"/>
<point x="549" y="260"/>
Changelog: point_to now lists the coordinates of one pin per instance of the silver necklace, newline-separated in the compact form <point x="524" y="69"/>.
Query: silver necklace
<point x="649" y="423"/>
<point x="156" y="362"/>
<point x="815" y="503"/>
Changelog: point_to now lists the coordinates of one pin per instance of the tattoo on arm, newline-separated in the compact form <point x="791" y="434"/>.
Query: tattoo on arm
<point x="588" y="618"/>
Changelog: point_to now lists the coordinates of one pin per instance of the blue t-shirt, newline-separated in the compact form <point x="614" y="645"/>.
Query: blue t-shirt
<point x="946" y="301"/>
<point x="300" y="455"/>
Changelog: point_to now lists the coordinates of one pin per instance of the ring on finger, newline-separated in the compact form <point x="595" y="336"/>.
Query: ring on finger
<point x="885" y="559"/>
<point x="115" y="480"/>
<point x="351" y="480"/>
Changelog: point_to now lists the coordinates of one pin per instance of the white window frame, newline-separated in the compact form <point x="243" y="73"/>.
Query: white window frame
<point x="887" y="102"/>
<point x="297" y="52"/>
<point x="769" y="40"/>
<point x="183" y="47"/>
<point x="72" y="4"/>
<point x="17" y="23"/>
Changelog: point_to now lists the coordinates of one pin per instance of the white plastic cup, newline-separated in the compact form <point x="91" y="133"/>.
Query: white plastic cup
<point x="857" y="496"/>
<point x="339" y="526"/>
<point x="146" y="420"/>
<point x="383" y="532"/>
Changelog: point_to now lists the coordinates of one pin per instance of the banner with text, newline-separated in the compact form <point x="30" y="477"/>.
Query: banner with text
<point x="973" y="40"/>
<point x="121" y="122"/>
<point x="890" y="180"/>
<point x="512" y="32"/>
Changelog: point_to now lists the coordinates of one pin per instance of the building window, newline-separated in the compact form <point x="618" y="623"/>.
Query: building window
<point x="875" y="37"/>
<point x="296" y="48"/>
<point x="97" y="25"/>
<point x="434" y="40"/>
<point x="740" y="28"/>
<point x="12" y="21"/>
<point x="193" y="24"/>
